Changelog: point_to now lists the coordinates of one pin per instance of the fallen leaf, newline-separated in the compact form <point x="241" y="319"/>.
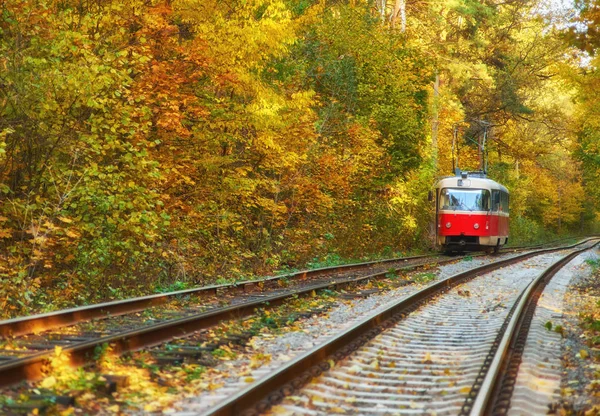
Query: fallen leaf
<point x="280" y="410"/>
<point x="114" y="408"/>
<point x="48" y="382"/>
<point x="355" y="369"/>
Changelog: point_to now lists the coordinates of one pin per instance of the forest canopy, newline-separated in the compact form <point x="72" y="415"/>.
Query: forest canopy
<point x="148" y="144"/>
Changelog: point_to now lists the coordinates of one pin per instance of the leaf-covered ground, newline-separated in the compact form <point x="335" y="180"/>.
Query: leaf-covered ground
<point x="581" y="356"/>
<point x="278" y="334"/>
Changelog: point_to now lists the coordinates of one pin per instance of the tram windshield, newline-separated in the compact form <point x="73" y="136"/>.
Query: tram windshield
<point x="465" y="199"/>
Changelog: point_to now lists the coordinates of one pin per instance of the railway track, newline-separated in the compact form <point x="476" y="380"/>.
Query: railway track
<point x="29" y="342"/>
<point x="43" y="322"/>
<point x="67" y="317"/>
<point x="450" y="358"/>
<point x="28" y="360"/>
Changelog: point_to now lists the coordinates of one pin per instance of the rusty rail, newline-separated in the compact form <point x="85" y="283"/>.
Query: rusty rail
<point x="271" y="389"/>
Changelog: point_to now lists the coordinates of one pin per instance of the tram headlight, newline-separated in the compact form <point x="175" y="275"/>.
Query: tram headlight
<point x="476" y="226"/>
<point x="448" y="225"/>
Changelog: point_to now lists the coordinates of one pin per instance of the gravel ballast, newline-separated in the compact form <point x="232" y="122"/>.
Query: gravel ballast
<point x="236" y="374"/>
<point x="538" y="386"/>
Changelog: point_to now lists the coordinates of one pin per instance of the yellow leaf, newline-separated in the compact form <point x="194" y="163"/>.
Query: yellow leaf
<point x="315" y="399"/>
<point x="465" y="390"/>
<point x="65" y="220"/>
<point x="71" y="234"/>
<point x="249" y="379"/>
<point x="355" y="369"/>
<point x="86" y="397"/>
<point x="114" y="408"/>
<point x="48" y="382"/>
<point x="584" y="354"/>
<point x="280" y="410"/>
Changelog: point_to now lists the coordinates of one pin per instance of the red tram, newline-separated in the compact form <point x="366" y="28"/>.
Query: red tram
<point x="471" y="213"/>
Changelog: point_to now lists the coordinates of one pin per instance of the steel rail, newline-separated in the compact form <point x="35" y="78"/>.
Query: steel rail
<point x="31" y="367"/>
<point x="531" y="247"/>
<point x="272" y="388"/>
<point x="58" y="319"/>
<point x="52" y="320"/>
<point x="494" y="392"/>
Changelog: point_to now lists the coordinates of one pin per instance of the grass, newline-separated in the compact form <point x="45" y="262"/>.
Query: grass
<point x="594" y="264"/>
<point x="425" y="277"/>
<point x="173" y="287"/>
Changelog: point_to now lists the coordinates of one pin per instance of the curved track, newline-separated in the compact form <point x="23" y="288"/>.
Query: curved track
<point x="67" y="317"/>
<point x="401" y="370"/>
<point x="28" y="354"/>
<point x="43" y="322"/>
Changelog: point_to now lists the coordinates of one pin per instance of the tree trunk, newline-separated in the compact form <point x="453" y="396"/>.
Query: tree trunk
<point x="435" y="120"/>
<point x="399" y="9"/>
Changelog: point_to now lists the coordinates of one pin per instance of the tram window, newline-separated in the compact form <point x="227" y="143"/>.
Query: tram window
<point x="504" y="201"/>
<point x="465" y="199"/>
<point x="496" y="200"/>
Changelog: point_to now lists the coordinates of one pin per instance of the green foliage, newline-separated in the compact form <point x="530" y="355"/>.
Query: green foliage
<point x="593" y="263"/>
<point x="193" y="372"/>
<point x="327" y="293"/>
<point x="329" y="260"/>
<point x="153" y="146"/>
<point x="527" y="231"/>
<point x="223" y="353"/>
<point x="559" y="330"/>
<point x="425" y="277"/>
<point x="173" y="287"/>
<point x="392" y="274"/>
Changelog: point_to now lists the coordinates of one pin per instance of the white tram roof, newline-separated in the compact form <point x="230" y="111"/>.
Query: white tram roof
<point x="470" y="182"/>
